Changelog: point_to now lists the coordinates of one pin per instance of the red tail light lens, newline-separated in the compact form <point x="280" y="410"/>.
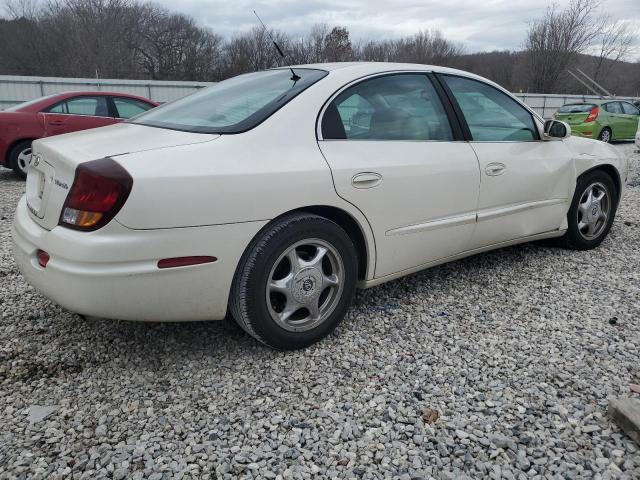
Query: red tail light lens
<point x="43" y="258"/>
<point x="100" y="189"/>
<point x="593" y="114"/>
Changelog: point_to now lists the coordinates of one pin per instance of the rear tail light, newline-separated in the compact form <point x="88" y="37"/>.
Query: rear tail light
<point x="593" y="114"/>
<point x="100" y="189"/>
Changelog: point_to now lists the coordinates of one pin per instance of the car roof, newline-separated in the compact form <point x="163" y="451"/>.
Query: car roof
<point x="46" y="101"/>
<point x="375" y="67"/>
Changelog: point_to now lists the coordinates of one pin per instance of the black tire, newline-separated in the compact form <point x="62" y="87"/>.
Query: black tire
<point x="249" y="303"/>
<point x="574" y="238"/>
<point x="14" y="158"/>
<point x="605" y="135"/>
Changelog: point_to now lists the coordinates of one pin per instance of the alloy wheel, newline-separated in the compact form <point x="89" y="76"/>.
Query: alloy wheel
<point x="305" y="285"/>
<point x="594" y="209"/>
<point x="23" y="160"/>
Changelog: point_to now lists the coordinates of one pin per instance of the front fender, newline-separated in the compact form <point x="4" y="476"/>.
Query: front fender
<point x="590" y="154"/>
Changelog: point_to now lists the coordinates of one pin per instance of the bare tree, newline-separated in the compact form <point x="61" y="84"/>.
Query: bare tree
<point x="554" y="41"/>
<point x="616" y="40"/>
<point x="337" y="45"/>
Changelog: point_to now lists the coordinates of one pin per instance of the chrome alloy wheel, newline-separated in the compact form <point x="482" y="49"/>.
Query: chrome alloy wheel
<point x="305" y="285"/>
<point x="23" y="160"/>
<point x="594" y="209"/>
<point x="605" y="136"/>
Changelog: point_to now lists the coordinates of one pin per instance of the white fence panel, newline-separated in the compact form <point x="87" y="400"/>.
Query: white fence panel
<point x="17" y="89"/>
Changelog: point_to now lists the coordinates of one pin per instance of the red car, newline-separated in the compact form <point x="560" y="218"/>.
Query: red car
<point x="60" y="113"/>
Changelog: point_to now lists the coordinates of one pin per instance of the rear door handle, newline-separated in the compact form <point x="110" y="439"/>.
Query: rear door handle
<point x="495" y="169"/>
<point x="366" y="180"/>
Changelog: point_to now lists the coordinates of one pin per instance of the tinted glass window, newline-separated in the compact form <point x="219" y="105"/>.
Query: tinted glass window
<point x="95" y="106"/>
<point x="613" y="107"/>
<point x="629" y="109"/>
<point x="393" y="107"/>
<point x="129" y="107"/>
<point x="491" y="114"/>
<point x="234" y="105"/>
<point x="577" y="108"/>
<point x="59" y="108"/>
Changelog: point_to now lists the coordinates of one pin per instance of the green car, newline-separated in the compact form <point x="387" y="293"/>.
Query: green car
<point x="605" y="120"/>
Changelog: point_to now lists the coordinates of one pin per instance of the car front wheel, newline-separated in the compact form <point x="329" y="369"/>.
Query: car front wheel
<point x="295" y="282"/>
<point x="592" y="211"/>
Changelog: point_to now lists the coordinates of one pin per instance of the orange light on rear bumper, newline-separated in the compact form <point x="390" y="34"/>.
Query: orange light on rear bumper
<point x="43" y="258"/>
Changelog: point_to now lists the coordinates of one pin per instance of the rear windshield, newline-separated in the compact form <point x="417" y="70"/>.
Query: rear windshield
<point x="577" y="108"/>
<point x="27" y="104"/>
<point x="234" y="105"/>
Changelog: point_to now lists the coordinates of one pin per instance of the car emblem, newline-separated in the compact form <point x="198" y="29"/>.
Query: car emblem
<point x="36" y="160"/>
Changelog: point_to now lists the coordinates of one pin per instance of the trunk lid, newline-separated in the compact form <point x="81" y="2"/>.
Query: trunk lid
<point x="572" y="118"/>
<point x="54" y="160"/>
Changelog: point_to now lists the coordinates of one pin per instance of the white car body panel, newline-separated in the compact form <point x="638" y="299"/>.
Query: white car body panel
<point x="209" y="194"/>
<point x="403" y="209"/>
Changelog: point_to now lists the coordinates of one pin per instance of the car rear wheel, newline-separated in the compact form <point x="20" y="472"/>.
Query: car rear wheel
<point x="605" y="135"/>
<point x="20" y="157"/>
<point x="592" y="211"/>
<point x="295" y="282"/>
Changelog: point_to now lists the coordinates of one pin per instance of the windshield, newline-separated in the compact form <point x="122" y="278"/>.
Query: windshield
<point x="234" y="105"/>
<point x="577" y="108"/>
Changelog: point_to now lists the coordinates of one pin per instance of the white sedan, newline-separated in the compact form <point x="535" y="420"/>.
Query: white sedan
<point x="273" y="195"/>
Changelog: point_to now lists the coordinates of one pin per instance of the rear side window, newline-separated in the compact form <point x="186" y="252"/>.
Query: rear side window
<point x="577" y="108"/>
<point x="130" y="107"/>
<point x="392" y="107"/>
<point x="492" y="116"/>
<point x="613" y="107"/>
<point x="93" y="106"/>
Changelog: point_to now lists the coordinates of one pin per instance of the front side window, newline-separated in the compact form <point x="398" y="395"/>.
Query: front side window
<point x="492" y="116"/>
<point x="234" y="105"/>
<point x="392" y="107"/>
<point x="130" y="107"/>
<point x="629" y="109"/>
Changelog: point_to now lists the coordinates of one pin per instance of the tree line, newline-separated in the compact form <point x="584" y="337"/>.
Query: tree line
<point x="142" y="40"/>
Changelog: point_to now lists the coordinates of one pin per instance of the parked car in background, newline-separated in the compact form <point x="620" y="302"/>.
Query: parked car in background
<point x="60" y="113"/>
<point x="605" y="120"/>
<point x="274" y="194"/>
<point x="638" y="136"/>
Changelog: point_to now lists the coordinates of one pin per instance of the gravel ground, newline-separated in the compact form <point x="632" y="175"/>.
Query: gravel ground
<point x="496" y="366"/>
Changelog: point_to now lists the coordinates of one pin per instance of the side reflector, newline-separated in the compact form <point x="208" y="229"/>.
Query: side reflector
<point x="185" y="261"/>
<point x="43" y="258"/>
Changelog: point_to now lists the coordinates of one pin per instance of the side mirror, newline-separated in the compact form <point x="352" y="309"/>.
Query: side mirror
<point x="556" y="129"/>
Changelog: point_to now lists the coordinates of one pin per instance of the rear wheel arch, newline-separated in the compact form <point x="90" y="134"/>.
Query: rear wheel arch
<point x="350" y="225"/>
<point x="14" y="145"/>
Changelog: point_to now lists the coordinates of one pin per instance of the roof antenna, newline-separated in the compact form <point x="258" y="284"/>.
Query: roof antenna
<point x="294" y="77"/>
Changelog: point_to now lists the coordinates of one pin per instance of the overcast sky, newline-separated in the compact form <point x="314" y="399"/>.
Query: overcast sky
<point x="478" y="24"/>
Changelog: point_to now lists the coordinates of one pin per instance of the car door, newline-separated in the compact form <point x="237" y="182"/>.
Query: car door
<point x="630" y="115"/>
<point x="616" y="120"/>
<point x="78" y="113"/>
<point x="395" y="154"/>
<point x="526" y="183"/>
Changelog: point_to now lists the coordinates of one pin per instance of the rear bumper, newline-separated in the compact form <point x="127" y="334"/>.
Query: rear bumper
<point x="586" y="130"/>
<point x="113" y="273"/>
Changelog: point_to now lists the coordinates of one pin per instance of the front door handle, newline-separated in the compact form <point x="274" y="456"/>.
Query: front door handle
<point x="366" y="180"/>
<point x="56" y="122"/>
<point x="495" y="169"/>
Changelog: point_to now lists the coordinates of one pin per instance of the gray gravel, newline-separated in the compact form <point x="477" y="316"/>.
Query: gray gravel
<point x="496" y="366"/>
